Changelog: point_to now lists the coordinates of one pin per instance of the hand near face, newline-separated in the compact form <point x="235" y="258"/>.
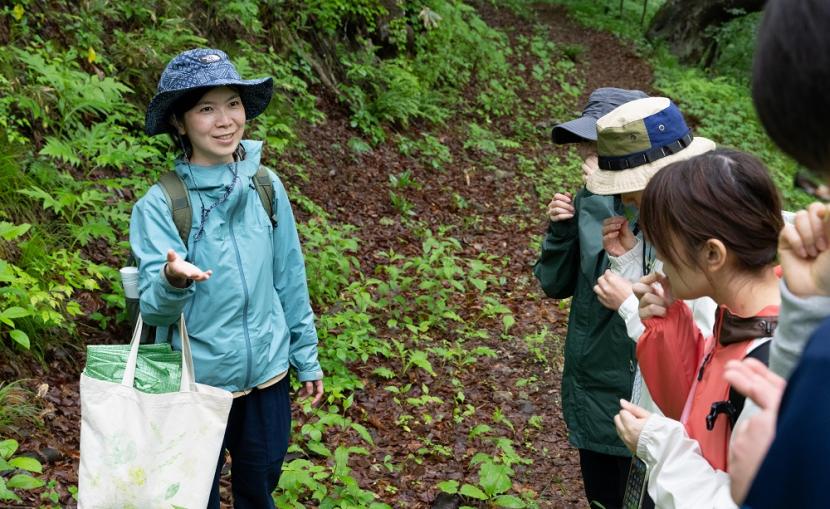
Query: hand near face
<point x="612" y="290"/>
<point x="655" y="296"/>
<point x="752" y="438"/>
<point x="617" y="238"/>
<point x="804" y="251"/>
<point x="561" y="207"/>
<point x="630" y="422"/>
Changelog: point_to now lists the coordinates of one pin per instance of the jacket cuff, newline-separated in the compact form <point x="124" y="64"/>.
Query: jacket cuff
<point x="632" y="256"/>
<point x="563" y="229"/>
<point x="655" y="437"/>
<point x="629" y="311"/>
<point x="165" y="283"/>
<point x="310" y="375"/>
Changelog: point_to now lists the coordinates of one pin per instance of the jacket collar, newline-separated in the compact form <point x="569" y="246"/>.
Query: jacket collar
<point x="206" y="176"/>
<point x="731" y="328"/>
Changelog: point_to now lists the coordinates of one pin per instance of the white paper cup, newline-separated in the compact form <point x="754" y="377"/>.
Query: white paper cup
<point x="129" y="280"/>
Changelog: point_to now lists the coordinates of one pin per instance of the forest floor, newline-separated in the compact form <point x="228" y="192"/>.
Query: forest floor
<point x="353" y="188"/>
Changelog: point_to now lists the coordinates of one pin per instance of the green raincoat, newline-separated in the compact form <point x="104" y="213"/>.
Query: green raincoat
<point x="599" y="357"/>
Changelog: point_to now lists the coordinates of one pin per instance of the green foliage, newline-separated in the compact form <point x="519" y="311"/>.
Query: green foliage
<point x="329" y="258"/>
<point x="15" y="471"/>
<point x="735" y="45"/>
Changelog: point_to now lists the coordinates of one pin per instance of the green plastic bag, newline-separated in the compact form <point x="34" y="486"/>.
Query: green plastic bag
<point x="158" y="369"/>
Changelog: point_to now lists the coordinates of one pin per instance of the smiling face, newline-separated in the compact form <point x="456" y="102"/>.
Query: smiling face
<point x="214" y="126"/>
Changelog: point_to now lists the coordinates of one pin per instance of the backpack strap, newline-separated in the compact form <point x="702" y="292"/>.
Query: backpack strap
<point x="761" y="353"/>
<point x="178" y="200"/>
<point x="265" y="189"/>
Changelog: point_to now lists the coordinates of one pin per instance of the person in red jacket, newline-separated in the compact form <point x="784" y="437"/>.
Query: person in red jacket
<point x="714" y="221"/>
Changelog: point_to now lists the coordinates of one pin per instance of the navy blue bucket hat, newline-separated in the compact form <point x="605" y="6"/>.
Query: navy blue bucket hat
<point x="202" y="68"/>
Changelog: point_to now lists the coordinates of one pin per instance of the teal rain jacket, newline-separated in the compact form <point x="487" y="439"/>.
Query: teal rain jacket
<point x="599" y="357"/>
<point x="252" y="318"/>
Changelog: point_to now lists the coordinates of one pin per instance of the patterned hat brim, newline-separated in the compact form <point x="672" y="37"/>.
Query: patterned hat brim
<point x="255" y="95"/>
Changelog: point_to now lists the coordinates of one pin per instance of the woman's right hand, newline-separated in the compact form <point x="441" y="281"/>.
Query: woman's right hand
<point x="178" y="271"/>
<point x="617" y="238"/>
<point x="561" y="207"/>
<point x="654" y="294"/>
<point x="804" y="251"/>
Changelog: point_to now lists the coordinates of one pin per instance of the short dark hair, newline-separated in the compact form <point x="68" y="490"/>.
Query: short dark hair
<point x="790" y="76"/>
<point x="723" y="194"/>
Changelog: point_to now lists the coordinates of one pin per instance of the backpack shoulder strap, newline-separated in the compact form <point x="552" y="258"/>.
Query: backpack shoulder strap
<point x="265" y="190"/>
<point x="761" y="353"/>
<point x="179" y="201"/>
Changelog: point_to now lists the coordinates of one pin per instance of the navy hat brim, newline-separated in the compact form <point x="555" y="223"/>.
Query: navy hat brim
<point x="575" y="131"/>
<point x="255" y="94"/>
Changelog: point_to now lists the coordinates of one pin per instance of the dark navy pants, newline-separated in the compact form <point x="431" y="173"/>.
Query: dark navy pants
<point x="257" y="436"/>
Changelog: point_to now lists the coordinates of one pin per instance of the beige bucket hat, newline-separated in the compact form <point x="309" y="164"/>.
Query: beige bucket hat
<point x="636" y="140"/>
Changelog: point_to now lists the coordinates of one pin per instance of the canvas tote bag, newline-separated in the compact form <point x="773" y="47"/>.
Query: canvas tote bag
<point x="150" y="451"/>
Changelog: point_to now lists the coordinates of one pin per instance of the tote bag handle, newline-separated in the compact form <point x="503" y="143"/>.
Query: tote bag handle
<point x="188" y="381"/>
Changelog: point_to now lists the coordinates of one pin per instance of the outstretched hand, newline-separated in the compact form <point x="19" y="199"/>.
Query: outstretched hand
<point x="178" y="271"/>
<point x="617" y="237"/>
<point x="655" y="296"/>
<point x="752" y="438"/>
<point x="804" y="251"/>
<point x="630" y="423"/>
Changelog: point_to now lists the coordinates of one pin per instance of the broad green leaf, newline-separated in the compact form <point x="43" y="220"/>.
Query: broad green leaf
<point x="5" y="493"/>
<point x="450" y="486"/>
<point x="319" y="448"/>
<point x="25" y="463"/>
<point x="24" y="482"/>
<point x="7" y="448"/>
<point x="468" y="490"/>
<point x="9" y="231"/>
<point x="14" y="312"/>
<point x="20" y="337"/>
<point x="363" y="432"/>
<point x="494" y="478"/>
<point x="509" y="501"/>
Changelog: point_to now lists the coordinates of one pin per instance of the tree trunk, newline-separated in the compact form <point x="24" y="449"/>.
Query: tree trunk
<point x="683" y="23"/>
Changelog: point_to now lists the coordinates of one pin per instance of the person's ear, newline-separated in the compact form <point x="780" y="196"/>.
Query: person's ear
<point x="178" y="125"/>
<point x="714" y="255"/>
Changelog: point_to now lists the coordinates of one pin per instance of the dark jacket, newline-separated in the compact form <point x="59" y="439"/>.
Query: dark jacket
<point x="797" y="466"/>
<point x="599" y="356"/>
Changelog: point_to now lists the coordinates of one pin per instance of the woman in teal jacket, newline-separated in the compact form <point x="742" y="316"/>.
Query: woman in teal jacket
<point x="239" y="280"/>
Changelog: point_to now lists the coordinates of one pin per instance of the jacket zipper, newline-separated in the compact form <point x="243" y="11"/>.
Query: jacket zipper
<point x="244" y="306"/>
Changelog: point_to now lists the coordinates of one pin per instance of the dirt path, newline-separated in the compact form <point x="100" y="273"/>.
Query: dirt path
<point x="522" y="381"/>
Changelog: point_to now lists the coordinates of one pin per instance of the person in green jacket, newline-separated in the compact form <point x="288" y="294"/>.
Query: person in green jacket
<point x="599" y="357"/>
<point x="238" y="277"/>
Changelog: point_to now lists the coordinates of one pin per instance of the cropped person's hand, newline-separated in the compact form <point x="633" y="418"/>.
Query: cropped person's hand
<point x="314" y="388"/>
<point x="617" y="238"/>
<point x="612" y="290"/>
<point x="804" y="251"/>
<point x="561" y="207"/>
<point x="630" y="422"/>
<point x="752" y="438"/>
<point x="589" y="166"/>
<point x="178" y="271"/>
<point x="654" y="293"/>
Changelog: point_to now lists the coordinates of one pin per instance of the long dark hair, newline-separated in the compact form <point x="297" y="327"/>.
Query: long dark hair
<point x="724" y="194"/>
